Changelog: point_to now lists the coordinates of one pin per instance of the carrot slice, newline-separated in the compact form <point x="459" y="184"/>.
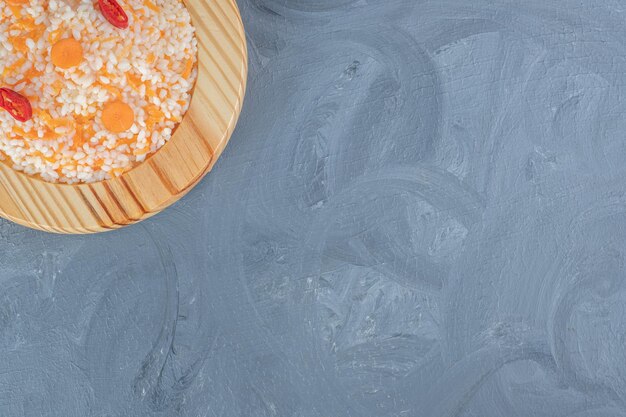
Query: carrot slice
<point x="66" y="53"/>
<point x="118" y="117"/>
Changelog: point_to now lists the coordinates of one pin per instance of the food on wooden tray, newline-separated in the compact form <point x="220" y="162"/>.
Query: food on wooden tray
<point x="90" y="90"/>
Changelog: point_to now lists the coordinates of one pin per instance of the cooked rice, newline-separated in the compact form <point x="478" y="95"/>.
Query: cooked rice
<point x="150" y="66"/>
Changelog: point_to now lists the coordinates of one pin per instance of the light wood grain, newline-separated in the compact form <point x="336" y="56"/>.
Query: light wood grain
<point x="172" y="171"/>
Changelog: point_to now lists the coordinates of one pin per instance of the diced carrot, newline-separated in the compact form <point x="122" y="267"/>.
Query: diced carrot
<point x="133" y="79"/>
<point x="126" y="50"/>
<point x="55" y="35"/>
<point x="32" y="73"/>
<point x="45" y="117"/>
<point x="15" y="66"/>
<point x="79" y="136"/>
<point x="27" y="23"/>
<point x="154" y="112"/>
<point x="155" y="115"/>
<point x="89" y="132"/>
<point x="37" y="33"/>
<point x="50" y="134"/>
<point x="188" y="68"/>
<point x="16" y="10"/>
<point x="50" y="159"/>
<point x="129" y="142"/>
<point x="23" y="134"/>
<point x="114" y="91"/>
<point x="103" y="40"/>
<point x="19" y="43"/>
<point x="57" y="86"/>
<point x="53" y="123"/>
<point x="151" y="6"/>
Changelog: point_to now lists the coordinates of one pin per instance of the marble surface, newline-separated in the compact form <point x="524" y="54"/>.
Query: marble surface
<point x="422" y="213"/>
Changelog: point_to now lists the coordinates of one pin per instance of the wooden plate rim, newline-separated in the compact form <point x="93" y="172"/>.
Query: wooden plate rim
<point x="135" y="177"/>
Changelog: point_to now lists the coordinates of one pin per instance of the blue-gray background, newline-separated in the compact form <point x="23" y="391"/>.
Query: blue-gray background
<point x="422" y="213"/>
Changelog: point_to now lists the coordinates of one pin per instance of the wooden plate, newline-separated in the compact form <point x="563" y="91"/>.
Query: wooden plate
<point x="172" y="171"/>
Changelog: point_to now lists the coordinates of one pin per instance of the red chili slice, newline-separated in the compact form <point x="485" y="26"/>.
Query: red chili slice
<point x="16" y="104"/>
<point x="114" y="13"/>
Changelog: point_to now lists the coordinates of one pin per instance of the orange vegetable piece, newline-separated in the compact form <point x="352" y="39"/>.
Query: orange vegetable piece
<point x="57" y="86"/>
<point x="50" y="159"/>
<point x="141" y="151"/>
<point x="16" y="66"/>
<point x="151" y="6"/>
<point x="155" y="115"/>
<point x="54" y="36"/>
<point x="114" y="91"/>
<point x="19" y="43"/>
<point x="118" y="116"/>
<point x="133" y="79"/>
<point x="31" y="73"/>
<point x="79" y="137"/>
<point x="16" y="10"/>
<point x="126" y="50"/>
<point x="25" y="135"/>
<point x="129" y="142"/>
<point x="37" y="32"/>
<point x="27" y="23"/>
<point x="116" y="172"/>
<point x="188" y="68"/>
<point x="66" y="53"/>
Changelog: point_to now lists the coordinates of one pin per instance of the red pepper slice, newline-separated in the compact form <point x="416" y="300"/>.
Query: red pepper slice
<point x="114" y="13"/>
<point x="16" y="104"/>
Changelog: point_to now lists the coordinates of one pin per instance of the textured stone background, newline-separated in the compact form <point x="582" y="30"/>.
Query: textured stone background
<point x="422" y="213"/>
